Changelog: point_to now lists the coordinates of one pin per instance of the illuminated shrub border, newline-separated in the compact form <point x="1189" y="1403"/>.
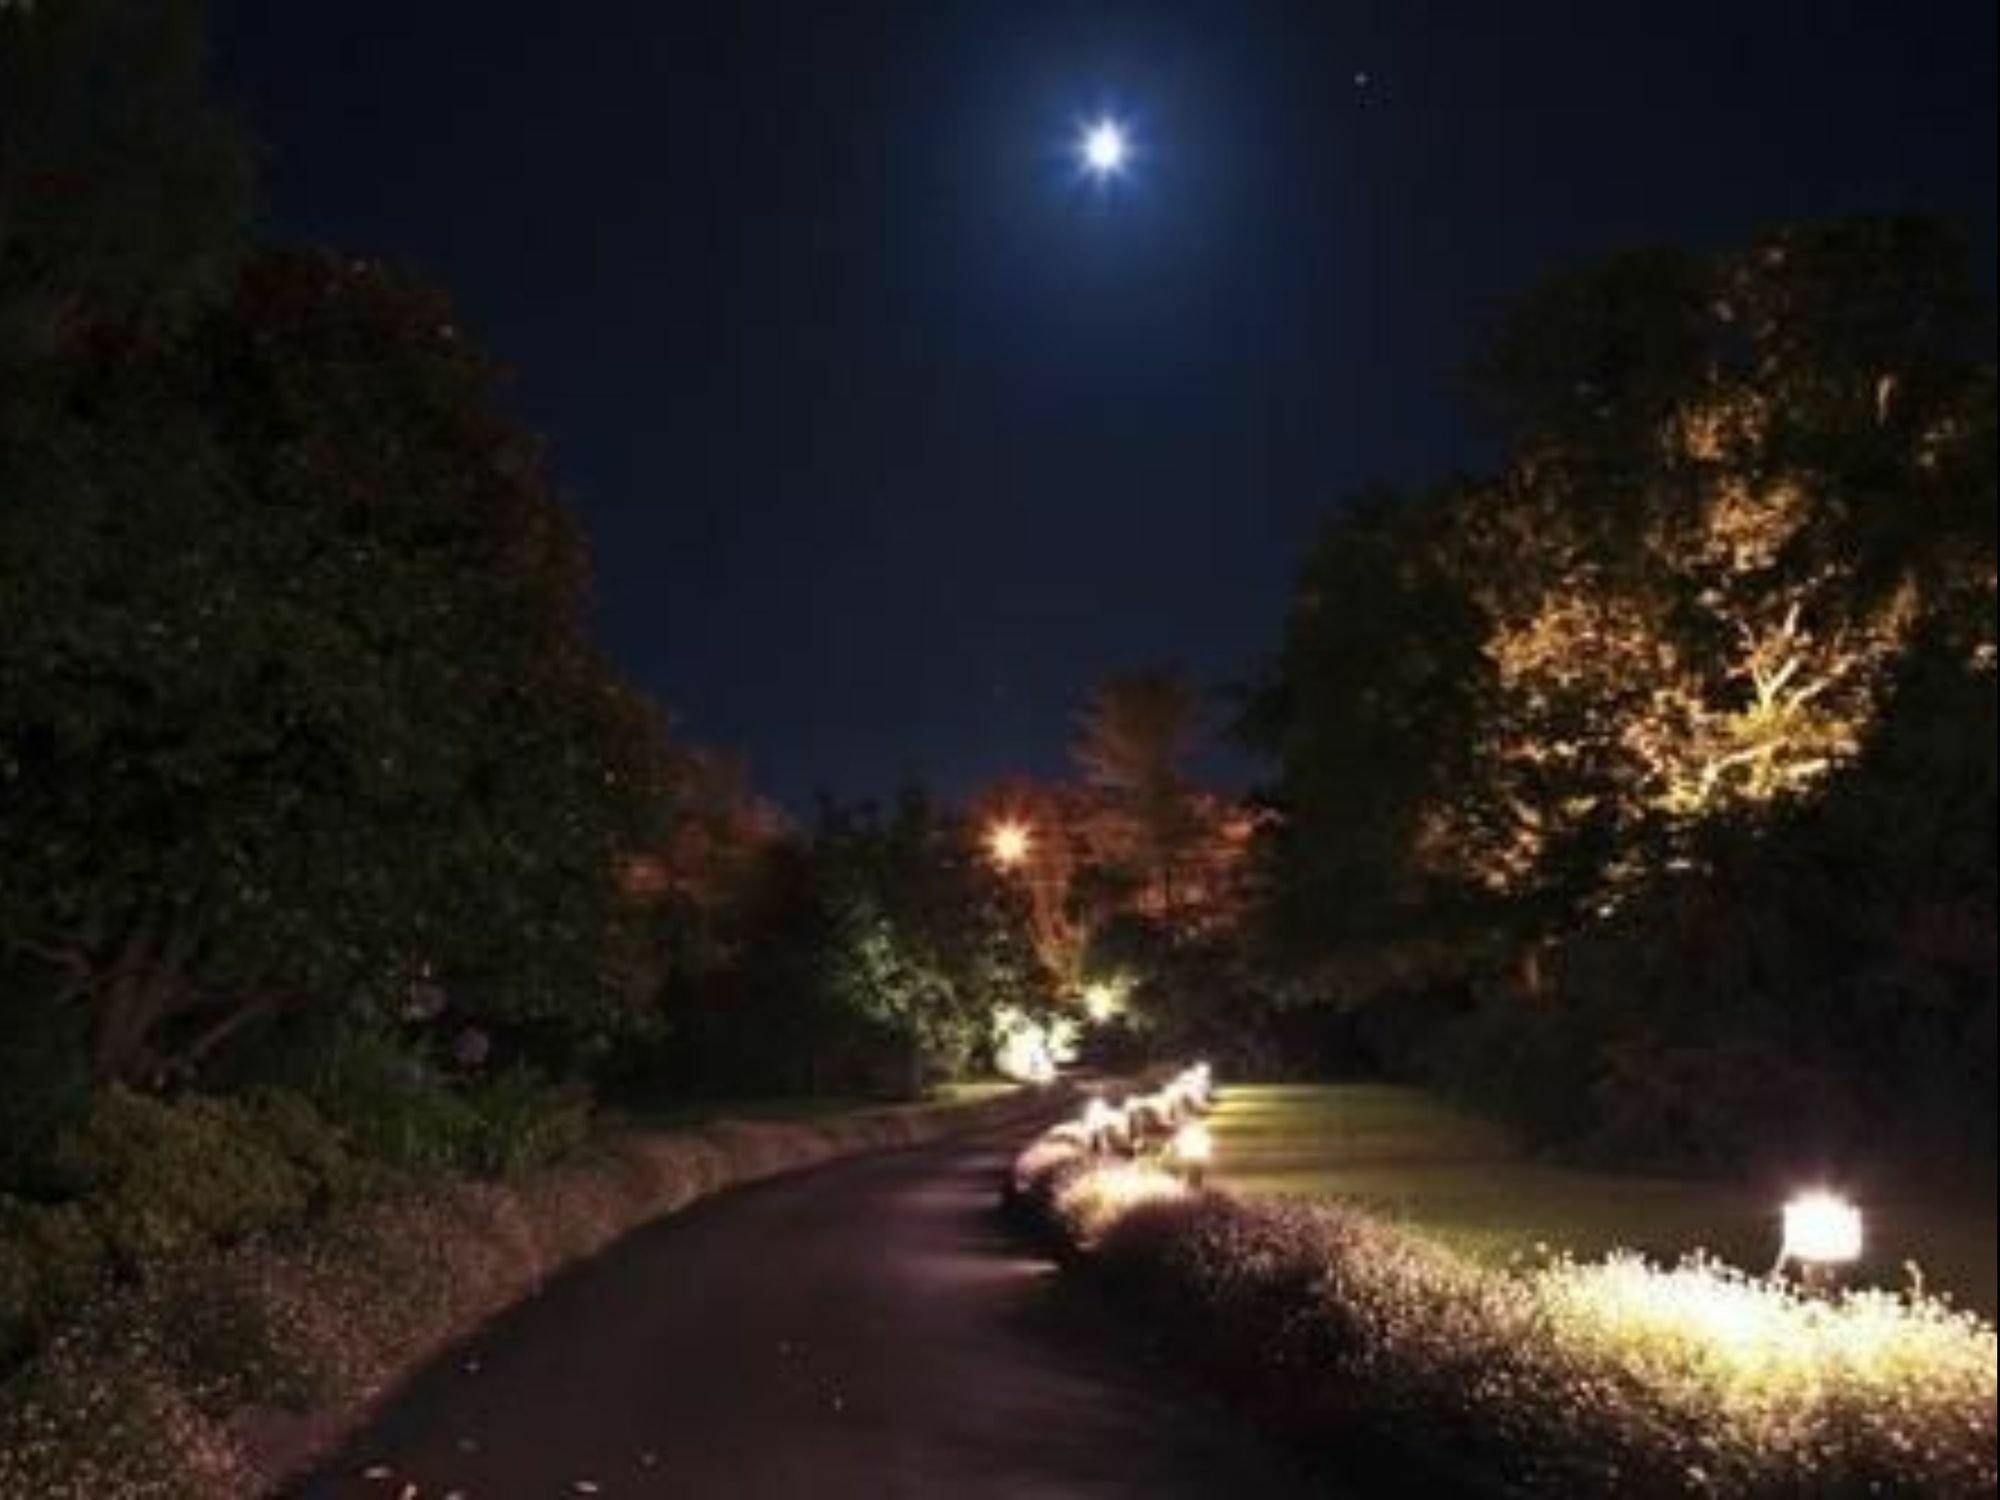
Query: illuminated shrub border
<point x="223" y="1374"/>
<point x="1344" y="1333"/>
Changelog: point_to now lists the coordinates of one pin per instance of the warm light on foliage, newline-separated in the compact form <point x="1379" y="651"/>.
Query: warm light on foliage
<point x="1092" y="1201"/>
<point x="1709" y="671"/>
<point x="1029" y="1050"/>
<point x="1567" y="1378"/>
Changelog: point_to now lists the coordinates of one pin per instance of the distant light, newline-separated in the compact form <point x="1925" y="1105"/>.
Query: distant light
<point x="1010" y="842"/>
<point x="1105" y="149"/>
<point x="1103" y="1001"/>
<point x="1821" y="1229"/>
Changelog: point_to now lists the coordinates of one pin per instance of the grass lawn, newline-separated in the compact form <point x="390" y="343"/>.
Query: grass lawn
<point x="972" y="1091"/>
<point x="694" y="1114"/>
<point x="1402" y="1152"/>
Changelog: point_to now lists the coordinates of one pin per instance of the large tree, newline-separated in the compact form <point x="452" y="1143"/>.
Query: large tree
<point x="295" y="701"/>
<point x="1675" y="725"/>
<point x="1740" y="491"/>
<point x="1136" y="733"/>
<point x="1743" y="488"/>
<point x="123" y="188"/>
<point x="1368" y="712"/>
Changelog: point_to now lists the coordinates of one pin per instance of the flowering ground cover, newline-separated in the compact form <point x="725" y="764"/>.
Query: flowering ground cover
<point x="1620" y="1375"/>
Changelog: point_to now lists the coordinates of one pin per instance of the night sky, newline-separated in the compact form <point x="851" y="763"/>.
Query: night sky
<point x="892" y="434"/>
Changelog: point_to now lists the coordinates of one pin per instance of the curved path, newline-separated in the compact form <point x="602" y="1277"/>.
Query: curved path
<point x="868" y="1330"/>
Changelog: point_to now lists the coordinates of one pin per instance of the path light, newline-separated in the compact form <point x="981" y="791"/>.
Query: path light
<point x="1200" y="1080"/>
<point x="1192" y="1148"/>
<point x="1822" y="1231"/>
<point x="1099" y="1120"/>
<point x="1150" y="1116"/>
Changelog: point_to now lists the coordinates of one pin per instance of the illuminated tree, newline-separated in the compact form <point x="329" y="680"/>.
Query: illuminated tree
<point x="1042" y="858"/>
<point x="1644" y="788"/>
<point x="1741" y="492"/>
<point x="918" y="940"/>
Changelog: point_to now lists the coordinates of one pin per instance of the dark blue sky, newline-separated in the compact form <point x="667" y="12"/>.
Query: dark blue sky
<point x="892" y="437"/>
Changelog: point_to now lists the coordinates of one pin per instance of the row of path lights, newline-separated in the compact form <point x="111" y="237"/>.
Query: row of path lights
<point x="1823" y="1232"/>
<point x="1168" y="1119"/>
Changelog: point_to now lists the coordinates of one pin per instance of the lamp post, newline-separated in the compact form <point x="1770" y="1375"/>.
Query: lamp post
<point x="1193" y="1148"/>
<point x="1823" y="1232"/>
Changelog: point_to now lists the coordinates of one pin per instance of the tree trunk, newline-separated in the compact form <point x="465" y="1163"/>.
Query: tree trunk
<point x="136" y="996"/>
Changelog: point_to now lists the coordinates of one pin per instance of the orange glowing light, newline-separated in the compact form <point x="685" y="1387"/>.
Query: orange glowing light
<point x="1010" y="843"/>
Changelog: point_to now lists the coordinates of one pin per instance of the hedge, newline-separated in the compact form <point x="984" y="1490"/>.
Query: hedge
<point x="1348" y="1334"/>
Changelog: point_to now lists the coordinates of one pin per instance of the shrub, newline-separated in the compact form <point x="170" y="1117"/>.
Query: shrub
<point x="160" y="1179"/>
<point x="321" y="1151"/>
<point x="51" y="1256"/>
<point x="1088" y="1203"/>
<point x="1715" y="1109"/>
<point x="394" y="1109"/>
<point x="519" y="1121"/>
<point x="44" y="1073"/>
<point x="1612" y="1378"/>
<point x="82" y="1426"/>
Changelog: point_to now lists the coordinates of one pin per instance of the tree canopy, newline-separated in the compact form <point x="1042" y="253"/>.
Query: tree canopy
<point x="1736" y="567"/>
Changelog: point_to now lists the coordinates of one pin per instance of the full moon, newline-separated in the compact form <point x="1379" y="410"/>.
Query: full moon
<point x="1105" y="149"/>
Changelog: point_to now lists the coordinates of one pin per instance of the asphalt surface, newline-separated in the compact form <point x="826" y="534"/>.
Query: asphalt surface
<point x="870" y="1329"/>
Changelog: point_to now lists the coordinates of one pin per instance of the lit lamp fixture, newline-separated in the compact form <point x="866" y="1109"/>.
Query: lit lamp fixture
<point x="1099" y="1121"/>
<point x="1201" y="1084"/>
<point x="1010" y="842"/>
<point x="1822" y="1231"/>
<point x="1193" y="1148"/>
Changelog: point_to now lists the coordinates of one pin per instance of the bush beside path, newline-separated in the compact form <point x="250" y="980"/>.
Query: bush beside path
<point x="221" y="1373"/>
